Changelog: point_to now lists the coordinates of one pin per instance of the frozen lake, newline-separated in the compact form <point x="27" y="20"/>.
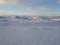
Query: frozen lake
<point x="29" y="34"/>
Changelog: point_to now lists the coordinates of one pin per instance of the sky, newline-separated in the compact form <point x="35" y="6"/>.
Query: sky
<point x="30" y="7"/>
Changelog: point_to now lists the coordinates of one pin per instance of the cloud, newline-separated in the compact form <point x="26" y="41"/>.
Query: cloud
<point x="12" y="1"/>
<point x="31" y="2"/>
<point x="3" y="13"/>
<point x="58" y="1"/>
<point x="9" y="2"/>
<point x="45" y="9"/>
<point x="27" y="8"/>
<point x="34" y="1"/>
<point x="2" y="2"/>
<point x="38" y="10"/>
<point x="23" y="2"/>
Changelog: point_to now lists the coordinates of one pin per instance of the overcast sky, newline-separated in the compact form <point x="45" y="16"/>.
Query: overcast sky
<point x="30" y="7"/>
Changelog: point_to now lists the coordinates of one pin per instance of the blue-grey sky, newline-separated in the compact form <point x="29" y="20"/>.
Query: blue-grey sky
<point x="30" y="7"/>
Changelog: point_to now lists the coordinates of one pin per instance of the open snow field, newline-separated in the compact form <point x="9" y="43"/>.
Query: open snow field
<point x="29" y="34"/>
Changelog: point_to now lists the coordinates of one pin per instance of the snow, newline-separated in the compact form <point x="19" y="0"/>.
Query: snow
<point x="29" y="33"/>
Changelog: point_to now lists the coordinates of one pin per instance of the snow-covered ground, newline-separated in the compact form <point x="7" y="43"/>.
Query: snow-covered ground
<point x="28" y="31"/>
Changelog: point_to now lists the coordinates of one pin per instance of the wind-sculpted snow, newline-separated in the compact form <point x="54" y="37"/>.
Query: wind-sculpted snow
<point x="16" y="31"/>
<point x="45" y="19"/>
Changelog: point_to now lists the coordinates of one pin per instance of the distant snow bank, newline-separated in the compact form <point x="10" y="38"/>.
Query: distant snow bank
<point x="21" y="19"/>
